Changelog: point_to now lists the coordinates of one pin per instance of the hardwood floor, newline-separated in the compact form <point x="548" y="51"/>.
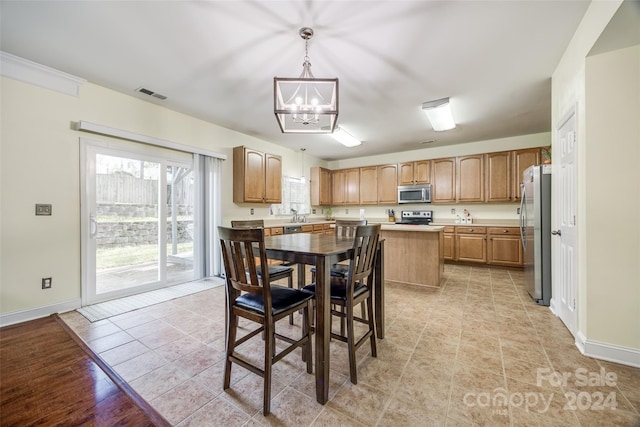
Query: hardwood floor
<point x="48" y="376"/>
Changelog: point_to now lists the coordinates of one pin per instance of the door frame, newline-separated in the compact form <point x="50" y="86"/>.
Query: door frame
<point x="89" y="146"/>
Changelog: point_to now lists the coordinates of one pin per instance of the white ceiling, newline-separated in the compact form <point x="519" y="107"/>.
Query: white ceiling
<point x="216" y="60"/>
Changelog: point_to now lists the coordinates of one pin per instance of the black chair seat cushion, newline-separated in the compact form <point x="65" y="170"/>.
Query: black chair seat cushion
<point x="282" y="298"/>
<point x="338" y="289"/>
<point x="337" y="270"/>
<point x="276" y="270"/>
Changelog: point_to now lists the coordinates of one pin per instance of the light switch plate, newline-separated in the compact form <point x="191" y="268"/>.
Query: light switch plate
<point x="43" y="209"/>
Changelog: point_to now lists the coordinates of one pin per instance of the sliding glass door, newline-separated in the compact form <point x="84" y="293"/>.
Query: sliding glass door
<point x="138" y="219"/>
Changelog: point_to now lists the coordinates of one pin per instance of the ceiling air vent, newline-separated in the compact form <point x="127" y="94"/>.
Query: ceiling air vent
<point x="151" y="93"/>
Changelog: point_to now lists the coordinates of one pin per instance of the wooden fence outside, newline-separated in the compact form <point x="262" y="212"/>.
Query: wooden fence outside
<point x="123" y="188"/>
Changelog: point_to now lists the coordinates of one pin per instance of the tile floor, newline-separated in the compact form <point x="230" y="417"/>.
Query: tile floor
<point x="476" y="351"/>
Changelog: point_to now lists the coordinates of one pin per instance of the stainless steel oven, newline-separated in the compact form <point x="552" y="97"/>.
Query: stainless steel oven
<point x="414" y="193"/>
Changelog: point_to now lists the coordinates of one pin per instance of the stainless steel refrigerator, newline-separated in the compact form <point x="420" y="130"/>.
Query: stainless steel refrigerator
<point x="535" y="231"/>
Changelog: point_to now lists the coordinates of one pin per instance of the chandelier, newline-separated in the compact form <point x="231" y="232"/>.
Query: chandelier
<point x="305" y="104"/>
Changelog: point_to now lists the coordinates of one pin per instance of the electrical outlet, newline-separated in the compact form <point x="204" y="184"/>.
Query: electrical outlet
<point x="313" y="211"/>
<point x="251" y="211"/>
<point x="518" y="211"/>
<point x="453" y="211"/>
<point x="346" y="211"/>
<point x="46" y="282"/>
<point x="43" y="209"/>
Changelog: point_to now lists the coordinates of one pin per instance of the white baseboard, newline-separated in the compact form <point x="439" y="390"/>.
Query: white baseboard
<point x="38" y="312"/>
<point x="609" y="352"/>
<point x="552" y="306"/>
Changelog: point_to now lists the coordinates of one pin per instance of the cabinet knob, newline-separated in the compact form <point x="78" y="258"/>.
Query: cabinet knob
<point x="505" y="231"/>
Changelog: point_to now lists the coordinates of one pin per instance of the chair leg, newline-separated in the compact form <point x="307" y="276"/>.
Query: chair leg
<point x="230" y="347"/>
<point x="268" y="361"/>
<point x="306" y="330"/>
<point x="351" y="345"/>
<point x="290" y="284"/>
<point x="372" y="327"/>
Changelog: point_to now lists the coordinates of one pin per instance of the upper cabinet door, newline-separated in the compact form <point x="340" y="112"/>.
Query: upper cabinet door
<point x="522" y="159"/>
<point x="405" y="173"/>
<point x="387" y="188"/>
<point x="352" y="179"/>
<point x="273" y="179"/>
<point x="369" y="185"/>
<point x="320" y="186"/>
<point x="257" y="176"/>
<point x="498" y="177"/>
<point x="411" y="173"/>
<point x="443" y="180"/>
<point x="339" y="194"/>
<point x="470" y="178"/>
<point x="422" y="172"/>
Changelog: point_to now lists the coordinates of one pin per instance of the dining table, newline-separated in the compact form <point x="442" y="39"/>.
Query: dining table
<point x="322" y="251"/>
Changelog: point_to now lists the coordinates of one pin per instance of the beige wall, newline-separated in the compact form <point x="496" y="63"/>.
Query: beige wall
<point x="612" y="158"/>
<point x="608" y="297"/>
<point x="40" y="157"/>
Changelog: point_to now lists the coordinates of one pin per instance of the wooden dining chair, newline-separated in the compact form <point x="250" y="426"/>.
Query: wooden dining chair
<point x="352" y="290"/>
<point x="342" y="228"/>
<point x="276" y="271"/>
<point x="251" y="296"/>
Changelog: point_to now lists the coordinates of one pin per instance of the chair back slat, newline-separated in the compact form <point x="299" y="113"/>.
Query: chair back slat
<point x="347" y="228"/>
<point x="365" y="245"/>
<point x="240" y="249"/>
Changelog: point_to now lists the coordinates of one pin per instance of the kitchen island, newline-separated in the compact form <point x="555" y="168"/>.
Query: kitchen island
<point x="414" y="254"/>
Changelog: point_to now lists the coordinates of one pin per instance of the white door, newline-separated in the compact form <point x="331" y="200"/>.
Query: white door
<point x="565" y="244"/>
<point x="137" y="219"/>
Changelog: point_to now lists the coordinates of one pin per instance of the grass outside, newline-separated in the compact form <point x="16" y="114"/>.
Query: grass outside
<point x="133" y="255"/>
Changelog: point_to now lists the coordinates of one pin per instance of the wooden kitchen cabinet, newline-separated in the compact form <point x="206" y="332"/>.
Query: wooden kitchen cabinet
<point x="387" y="188"/>
<point x="443" y="180"/>
<point x="369" y="185"/>
<point x="522" y="159"/>
<point x="504" y="247"/>
<point x="470" y="178"/>
<point x="320" y="186"/>
<point x="471" y="244"/>
<point x="273" y="231"/>
<point x="346" y="186"/>
<point x="257" y="176"/>
<point x="378" y="185"/>
<point x="412" y="173"/>
<point x="449" y="242"/>
<point x="498" y="180"/>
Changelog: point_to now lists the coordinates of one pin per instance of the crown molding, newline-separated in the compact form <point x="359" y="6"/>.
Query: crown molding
<point x="31" y="72"/>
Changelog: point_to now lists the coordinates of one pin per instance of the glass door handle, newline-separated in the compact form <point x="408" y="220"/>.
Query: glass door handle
<point x="93" y="226"/>
<point x="556" y="233"/>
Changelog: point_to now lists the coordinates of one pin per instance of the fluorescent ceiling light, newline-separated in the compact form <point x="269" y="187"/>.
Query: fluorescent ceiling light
<point x="345" y="138"/>
<point x="439" y="114"/>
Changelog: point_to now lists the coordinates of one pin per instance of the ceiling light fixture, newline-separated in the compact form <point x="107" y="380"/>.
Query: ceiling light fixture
<point x="439" y="114"/>
<point x="345" y="138"/>
<point x="305" y="104"/>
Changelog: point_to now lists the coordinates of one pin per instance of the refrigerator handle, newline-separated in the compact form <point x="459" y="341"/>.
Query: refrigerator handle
<point x="522" y="216"/>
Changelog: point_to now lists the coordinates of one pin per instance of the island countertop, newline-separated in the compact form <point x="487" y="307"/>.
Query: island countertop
<point x="409" y="227"/>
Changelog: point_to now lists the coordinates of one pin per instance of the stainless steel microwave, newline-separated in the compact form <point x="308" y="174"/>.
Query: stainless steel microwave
<point x="414" y="193"/>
